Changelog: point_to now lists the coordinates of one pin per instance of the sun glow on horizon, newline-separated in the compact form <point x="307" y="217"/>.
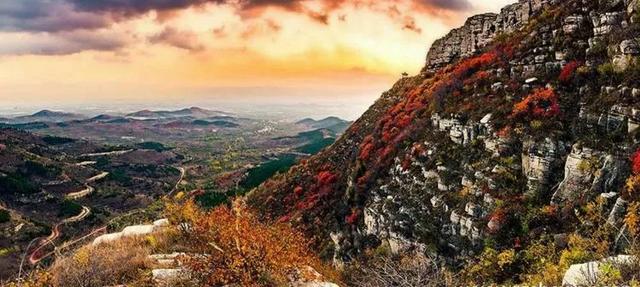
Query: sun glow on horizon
<point x="156" y="56"/>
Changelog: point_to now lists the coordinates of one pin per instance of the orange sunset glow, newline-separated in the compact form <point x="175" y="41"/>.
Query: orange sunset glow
<point x="85" y="52"/>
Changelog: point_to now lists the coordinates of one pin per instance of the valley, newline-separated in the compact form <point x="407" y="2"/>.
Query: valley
<point x="65" y="179"/>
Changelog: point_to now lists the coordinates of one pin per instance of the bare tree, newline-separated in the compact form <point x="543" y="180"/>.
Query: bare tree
<point x="414" y="271"/>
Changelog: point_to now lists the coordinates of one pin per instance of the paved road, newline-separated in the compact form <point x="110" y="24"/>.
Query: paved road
<point x="183" y="173"/>
<point x="34" y="256"/>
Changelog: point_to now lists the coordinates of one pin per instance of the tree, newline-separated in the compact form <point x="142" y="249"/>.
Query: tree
<point x="241" y="251"/>
<point x="540" y="104"/>
<point x="568" y="71"/>
<point x="403" y="271"/>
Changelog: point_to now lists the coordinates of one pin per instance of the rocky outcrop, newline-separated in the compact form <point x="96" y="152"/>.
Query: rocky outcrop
<point x="538" y="160"/>
<point x="130" y="231"/>
<point x="480" y="30"/>
<point x="579" y="172"/>
<point x="587" y="274"/>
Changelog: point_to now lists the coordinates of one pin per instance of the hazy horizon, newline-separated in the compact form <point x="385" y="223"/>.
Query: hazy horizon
<point x="70" y="54"/>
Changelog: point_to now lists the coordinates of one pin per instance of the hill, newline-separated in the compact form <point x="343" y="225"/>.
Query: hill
<point x="521" y="125"/>
<point x="193" y="112"/>
<point x="44" y="116"/>
<point x="335" y="124"/>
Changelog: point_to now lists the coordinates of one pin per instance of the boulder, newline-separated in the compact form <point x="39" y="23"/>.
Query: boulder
<point x="168" y="277"/>
<point x="587" y="273"/>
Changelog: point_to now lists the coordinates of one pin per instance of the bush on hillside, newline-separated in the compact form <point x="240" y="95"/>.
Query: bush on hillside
<point x="5" y="216"/>
<point x="241" y="250"/>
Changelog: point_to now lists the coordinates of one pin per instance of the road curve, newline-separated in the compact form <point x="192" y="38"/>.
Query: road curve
<point x="34" y="256"/>
<point x="183" y="173"/>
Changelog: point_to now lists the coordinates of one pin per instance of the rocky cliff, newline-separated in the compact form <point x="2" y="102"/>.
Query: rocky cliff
<point x="517" y="119"/>
<point x="480" y="30"/>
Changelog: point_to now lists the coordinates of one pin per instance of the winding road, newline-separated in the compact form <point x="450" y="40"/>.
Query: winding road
<point x="35" y="257"/>
<point x="183" y="173"/>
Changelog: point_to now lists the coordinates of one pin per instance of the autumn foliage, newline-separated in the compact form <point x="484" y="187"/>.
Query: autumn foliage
<point x="635" y="162"/>
<point x="542" y="103"/>
<point x="568" y="71"/>
<point x="240" y="250"/>
<point x="632" y="188"/>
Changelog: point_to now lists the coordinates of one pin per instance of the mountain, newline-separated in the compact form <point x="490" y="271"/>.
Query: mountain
<point x="44" y="116"/>
<point x="519" y="127"/>
<point x="334" y="124"/>
<point x="193" y="112"/>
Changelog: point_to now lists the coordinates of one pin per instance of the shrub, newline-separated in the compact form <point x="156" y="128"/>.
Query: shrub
<point x="635" y="162"/>
<point x="568" y="71"/>
<point x="104" y="265"/>
<point x="383" y="270"/>
<point x="5" y="216"/>
<point x="542" y="103"/>
<point x="212" y="199"/>
<point x="69" y="208"/>
<point x="53" y="140"/>
<point x="241" y="251"/>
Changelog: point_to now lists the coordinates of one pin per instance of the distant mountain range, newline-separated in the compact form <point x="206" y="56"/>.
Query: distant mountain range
<point x="193" y="112"/>
<point x="49" y="116"/>
<point x="44" y="116"/>
<point x="333" y="124"/>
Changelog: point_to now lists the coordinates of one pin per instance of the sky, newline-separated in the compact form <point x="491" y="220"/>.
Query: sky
<point x="125" y="54"/>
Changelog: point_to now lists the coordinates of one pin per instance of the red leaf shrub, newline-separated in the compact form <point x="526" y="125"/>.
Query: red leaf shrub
<point x="568" y="71"/>
<point x="326" y="178"/>
<point x="635" y="162"/>
<point x="542" y="103"/>
<point x="298" y="190"/>
<point x="353" y="217"/>
<point x="365" y="151"/>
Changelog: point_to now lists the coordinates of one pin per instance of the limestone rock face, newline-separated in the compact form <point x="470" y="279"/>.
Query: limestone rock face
<point x="587" y="274"/>
<point x="538" y="159"/>
<point x="479" y="30"/>
<point x="464" y="41"/>
<point x="579" y="172"/>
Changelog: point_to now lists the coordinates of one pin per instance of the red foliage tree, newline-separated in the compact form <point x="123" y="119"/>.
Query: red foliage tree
<point x="542" y="103"/>
<point x="635" y="162"/>
<point x="365" y="151"/>
<point x="326" y="178"/>
<point x="353" y="217"/>
<point x="566" y="75"/>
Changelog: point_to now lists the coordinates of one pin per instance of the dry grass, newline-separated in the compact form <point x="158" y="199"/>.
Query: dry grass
<point x="107" y="264"/>
<point x="124" y="261"/>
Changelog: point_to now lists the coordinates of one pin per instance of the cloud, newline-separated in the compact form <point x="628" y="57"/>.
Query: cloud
<point x="68" y="15"/>
<point x="137" y="7"/>
<point x="180" y="39"/>
<point x="67" y="20"/>
<point x="452" y="5"/>
<point x="63" y="43"/>
<point x="46" y="16"/>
